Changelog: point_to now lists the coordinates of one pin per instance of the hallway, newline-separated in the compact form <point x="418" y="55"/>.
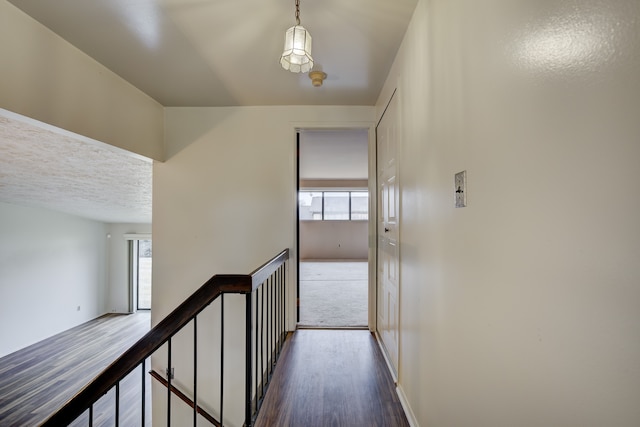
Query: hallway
<point x="331" y="378"/>
<point x="323" y="377"/>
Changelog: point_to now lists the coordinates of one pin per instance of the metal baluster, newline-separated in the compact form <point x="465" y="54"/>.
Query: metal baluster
<point x="91" y="415"/>
<point x="276" y="302"/>
<point x="269" y="315"/>
<point x="117" y="403"/>
<point x="278" y="312"/>
<point x="256" y="350"/>
<point x="144" y="391"/>
<point x="195" y="370"/>
<point x="280" y="318"/>
<point x="221" y="360"/>
<point x="277" y="292"/>
<point x="265" y="285"/>
<point x="283" y="290"/>
<point x="284" y="302"/>
<point x="273" y="323"/>
<point x="283" y="296"/>
<point x="275" y="318"/>
<point x="169" y="383"/>
<point x="248" y="364"/>
<point x="261" y="344"/>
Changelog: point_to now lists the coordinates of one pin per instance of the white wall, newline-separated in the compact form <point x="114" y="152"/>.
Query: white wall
<point x="46" y="78"/>
<point x="118" y="258"/>
<point x="334" y="240"/>
<point x="224" y="202"/>
<point x="522" y="309"/>
<point x="334" y="154"/>
<point x="331" y="160"/>
<point x="50" y="264"/>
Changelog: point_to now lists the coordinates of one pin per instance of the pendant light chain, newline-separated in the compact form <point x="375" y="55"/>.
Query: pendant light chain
<point x="298" y="12"/>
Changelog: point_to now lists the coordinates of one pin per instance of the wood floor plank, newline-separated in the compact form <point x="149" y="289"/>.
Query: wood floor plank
<point x="37" y="380"/>
<point x="331" y="378"/>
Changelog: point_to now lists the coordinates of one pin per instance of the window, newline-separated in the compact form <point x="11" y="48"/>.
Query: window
<point x="310" y="203"/>
<point x="333" y="205"/>
<point x="336" y="205"/>
<point x="359" y="205"/>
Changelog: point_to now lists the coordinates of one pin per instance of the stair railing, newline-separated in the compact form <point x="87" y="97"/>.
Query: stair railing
<point x="265" y="331"/>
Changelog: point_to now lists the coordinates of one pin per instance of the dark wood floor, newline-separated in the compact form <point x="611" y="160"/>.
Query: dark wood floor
<point x="323" y="378"/>
<point x="331" y="378"/>
<point x="35" y="381"/>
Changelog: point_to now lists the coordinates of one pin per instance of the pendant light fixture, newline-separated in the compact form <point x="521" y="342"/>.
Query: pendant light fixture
<point x="296" y="56"/>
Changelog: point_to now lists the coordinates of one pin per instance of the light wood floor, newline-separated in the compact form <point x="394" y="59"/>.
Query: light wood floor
<point x="331" y="378"/>
<point x="37" y="380"/>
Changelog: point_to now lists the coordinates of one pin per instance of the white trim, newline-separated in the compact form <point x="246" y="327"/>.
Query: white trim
<point x="395" y="94"/>
<point x="138" y="236"/>
<point x="133" y="276"/>
<point x="373" y="228"/>
<point x="411" y="417"/>
<point x="413" y="422"/>
<point x="296" y="127"/>
<point x="386" y="359"/>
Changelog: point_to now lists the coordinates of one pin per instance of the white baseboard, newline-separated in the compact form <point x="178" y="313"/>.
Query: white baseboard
<point x="413" y="422"/>
<point x="386" y="359"/>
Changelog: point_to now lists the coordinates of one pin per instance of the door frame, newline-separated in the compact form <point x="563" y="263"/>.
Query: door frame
<point x="372" y="223"/>
<point x="393" y="368"/>
<point x="132" y="293"/>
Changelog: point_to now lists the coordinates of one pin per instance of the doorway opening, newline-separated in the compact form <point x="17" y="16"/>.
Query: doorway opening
<point x="333" y="215"/>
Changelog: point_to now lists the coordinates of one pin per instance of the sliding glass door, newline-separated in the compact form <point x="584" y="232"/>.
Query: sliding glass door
<point x="142" y="273"/>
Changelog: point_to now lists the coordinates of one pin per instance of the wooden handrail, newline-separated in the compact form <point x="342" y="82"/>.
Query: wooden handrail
<point x="158" y="335"/>
<point x="262" y="273"/>
<point x="185" y="398"/>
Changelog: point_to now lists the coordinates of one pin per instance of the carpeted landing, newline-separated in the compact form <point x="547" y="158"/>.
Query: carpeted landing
<point x="333" y="294"/>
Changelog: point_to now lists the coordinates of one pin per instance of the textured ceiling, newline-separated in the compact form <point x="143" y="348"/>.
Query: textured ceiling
<point x="45" y="167"/>
<point x="226" y="52"/>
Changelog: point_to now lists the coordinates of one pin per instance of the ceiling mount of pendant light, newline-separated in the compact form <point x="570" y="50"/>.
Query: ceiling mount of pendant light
<point x="317" y="77"/>
<point x="296" y="56"/>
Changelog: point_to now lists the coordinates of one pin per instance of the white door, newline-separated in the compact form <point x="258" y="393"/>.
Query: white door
<point x="388" y="254"/>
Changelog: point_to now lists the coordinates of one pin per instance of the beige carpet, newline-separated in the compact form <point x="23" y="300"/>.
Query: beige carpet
<point x="333" y="294"/>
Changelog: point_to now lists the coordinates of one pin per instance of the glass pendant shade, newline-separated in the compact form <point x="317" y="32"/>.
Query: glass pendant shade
<point x="297" y="50"/>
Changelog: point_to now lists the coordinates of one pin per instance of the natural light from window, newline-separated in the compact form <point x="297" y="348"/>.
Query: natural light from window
<point x="334" y="205"/>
